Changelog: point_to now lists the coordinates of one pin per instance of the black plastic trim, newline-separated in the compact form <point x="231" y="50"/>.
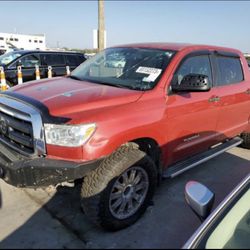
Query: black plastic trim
<point x="44" y="172"/>
<point x="20" y="171"/>
<point x="43" y="110"/>
<point x="226" y="53"/>
<point x="198" y="53"/>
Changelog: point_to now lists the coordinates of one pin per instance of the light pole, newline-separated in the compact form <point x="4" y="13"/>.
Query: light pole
<point x="101" y="25"/>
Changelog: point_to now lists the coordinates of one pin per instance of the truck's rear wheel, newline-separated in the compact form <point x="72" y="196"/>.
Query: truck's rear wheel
<point x="116" y="194"/>
<point x="246" y="140"/>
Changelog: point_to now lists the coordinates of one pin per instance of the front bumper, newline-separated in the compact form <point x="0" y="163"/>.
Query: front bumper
<point x="21" y="171"/>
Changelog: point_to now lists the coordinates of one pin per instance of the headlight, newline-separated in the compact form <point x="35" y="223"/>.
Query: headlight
<point x="68" y="135"/>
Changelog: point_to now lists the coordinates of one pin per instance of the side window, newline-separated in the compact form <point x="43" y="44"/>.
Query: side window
<point x="230" y="70"/>
<point x="193" y="65"/>
<point x="81" y="59"/>
<point x="53" y="59"/>
<point x="29" y="61"/>
<point x="72" y="60"/>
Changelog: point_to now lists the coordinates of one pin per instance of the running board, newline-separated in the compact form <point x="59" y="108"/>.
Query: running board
<point x="196" y="160"/>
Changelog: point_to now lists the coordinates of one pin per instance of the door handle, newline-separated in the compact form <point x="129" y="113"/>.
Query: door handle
<point x="214" y="99"/>
<point x="248" y="92"/>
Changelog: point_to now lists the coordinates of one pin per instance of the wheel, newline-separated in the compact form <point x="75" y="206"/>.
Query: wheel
<point x="116" y="195"/>
<point x="246" y="140"/>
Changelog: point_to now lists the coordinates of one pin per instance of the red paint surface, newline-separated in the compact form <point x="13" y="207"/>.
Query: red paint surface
<point x="123" y="115"/>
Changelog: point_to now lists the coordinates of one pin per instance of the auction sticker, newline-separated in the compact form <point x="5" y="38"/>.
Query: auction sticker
<point x="152" y="72"/>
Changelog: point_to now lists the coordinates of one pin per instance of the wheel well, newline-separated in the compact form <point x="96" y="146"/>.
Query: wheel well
<point x="152" y="149"/>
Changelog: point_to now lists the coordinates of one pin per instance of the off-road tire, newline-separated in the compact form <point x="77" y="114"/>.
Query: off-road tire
<point x="97" y="186"/>
<point x="246" y="140"/>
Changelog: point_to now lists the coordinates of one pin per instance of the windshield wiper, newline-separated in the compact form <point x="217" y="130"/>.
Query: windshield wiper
<point x="116" y="85"/>
<point x="108" y="83"/>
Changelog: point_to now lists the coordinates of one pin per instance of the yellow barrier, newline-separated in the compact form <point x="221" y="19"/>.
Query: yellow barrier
<point x="49" y="72"/>
<point x="67" y="70"/>
<point x="19" y="75"/>
<point x="38" y="77"/>
<point x="3" y="79"/>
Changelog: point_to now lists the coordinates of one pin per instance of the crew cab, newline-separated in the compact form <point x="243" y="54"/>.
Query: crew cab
<point x="29" y="59"/>
<point x="120" y="130"/>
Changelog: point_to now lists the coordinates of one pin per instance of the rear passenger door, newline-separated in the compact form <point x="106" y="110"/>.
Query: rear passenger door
<point x="74" y="61"/>
<point x="232" y="91"/>
<point x="28" y="63"/>
<point x="56" y="61"/>
<point x="71" y="61"/>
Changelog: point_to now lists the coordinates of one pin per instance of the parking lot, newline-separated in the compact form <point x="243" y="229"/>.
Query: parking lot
<point x="39" y="219"/>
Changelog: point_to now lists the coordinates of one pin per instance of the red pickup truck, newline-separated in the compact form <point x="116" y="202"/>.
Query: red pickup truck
<point x="164" y="110"/>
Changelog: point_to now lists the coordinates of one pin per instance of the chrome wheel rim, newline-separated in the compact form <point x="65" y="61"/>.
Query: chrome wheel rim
<point x="128" y="193"/>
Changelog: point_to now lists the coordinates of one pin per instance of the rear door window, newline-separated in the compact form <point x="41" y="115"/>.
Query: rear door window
<point x="72" y="60"/>
<point x="229" y="70"/>
<point x="81" y="59"/>
<point x="53" y="60"/>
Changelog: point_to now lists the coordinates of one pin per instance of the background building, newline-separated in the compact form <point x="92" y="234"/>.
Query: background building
<point x="10" y="42"/>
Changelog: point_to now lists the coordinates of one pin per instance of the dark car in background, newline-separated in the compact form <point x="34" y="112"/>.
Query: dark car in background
<point x="2" y="51"/>
<point x="29" y="59"/>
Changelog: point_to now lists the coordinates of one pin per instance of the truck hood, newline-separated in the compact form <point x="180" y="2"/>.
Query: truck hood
<point x="64" y="96"/>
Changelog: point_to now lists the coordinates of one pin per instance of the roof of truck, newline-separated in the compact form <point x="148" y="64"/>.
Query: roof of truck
<point x="176" y="46"/>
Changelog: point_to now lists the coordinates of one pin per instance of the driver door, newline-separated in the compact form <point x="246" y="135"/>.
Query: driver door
<point x="28" y="63"/>
<point x="191" y="116"/>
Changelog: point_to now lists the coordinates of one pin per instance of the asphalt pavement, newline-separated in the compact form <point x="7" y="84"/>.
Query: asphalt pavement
<point x="47" y="219"/>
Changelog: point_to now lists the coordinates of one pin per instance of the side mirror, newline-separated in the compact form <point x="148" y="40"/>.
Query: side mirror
<point x="199" y="198"/>
<point x="193" y="83"/>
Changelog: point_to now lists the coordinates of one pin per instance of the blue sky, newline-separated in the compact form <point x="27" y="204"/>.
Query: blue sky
<point x="71" y="22"/>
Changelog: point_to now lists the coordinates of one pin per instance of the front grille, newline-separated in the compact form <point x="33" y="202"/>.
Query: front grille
<point x="21" y="127"/>
<point x="16" y="130"/>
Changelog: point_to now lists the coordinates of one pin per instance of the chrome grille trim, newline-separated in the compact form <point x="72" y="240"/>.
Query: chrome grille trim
<point x="26" y="113"/>
<point x="14" y="114"/>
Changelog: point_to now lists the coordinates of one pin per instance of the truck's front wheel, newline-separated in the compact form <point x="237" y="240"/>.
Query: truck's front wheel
<point x="116" y="194"/>
<point x="246" y="140"/>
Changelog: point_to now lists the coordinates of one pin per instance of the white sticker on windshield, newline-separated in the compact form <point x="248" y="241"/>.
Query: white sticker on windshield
<point x="152" y="72"/>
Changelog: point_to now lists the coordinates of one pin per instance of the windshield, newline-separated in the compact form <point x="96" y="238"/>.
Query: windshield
<point x="9" y="57"/>
<point x="233" y="232"/>
<point x="133" y="68"/>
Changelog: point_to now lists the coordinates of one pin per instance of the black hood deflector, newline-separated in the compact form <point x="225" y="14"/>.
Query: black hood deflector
<point x="40" y="107"/>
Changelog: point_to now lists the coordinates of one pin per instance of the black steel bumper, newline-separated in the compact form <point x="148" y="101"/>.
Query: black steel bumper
<point x="39" y="172"/>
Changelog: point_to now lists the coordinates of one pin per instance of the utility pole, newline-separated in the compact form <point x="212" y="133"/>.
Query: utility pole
<point x="101" y="25"/>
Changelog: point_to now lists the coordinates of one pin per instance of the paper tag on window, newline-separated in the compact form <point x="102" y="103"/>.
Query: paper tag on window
<point x="152" y="72"/>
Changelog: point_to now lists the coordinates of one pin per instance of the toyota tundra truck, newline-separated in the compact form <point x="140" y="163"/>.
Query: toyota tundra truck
<point x="120" y="130"/>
